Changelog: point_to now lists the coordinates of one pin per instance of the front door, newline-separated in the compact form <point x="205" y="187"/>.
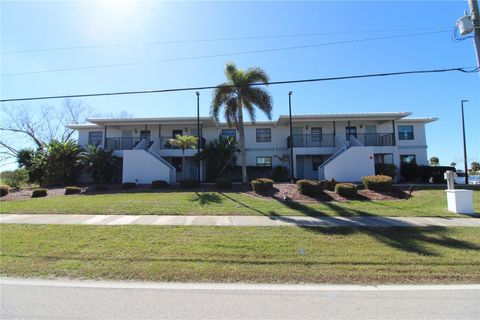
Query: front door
<point x="298" y="138"/>
<point x="145" y="134"/>
<point x="126" y="142"/>
<point x="350" y="131"/>
<point x="371" y="135"/>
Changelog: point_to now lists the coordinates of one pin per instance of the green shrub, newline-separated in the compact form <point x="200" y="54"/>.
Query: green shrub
<point x="280" y="174"/>
<point x="3" y="190"/>
<point x="223" y="183"/>
<point x="309" y="188"/>
<point x="15" y="179"/>
<point x="101" y="187"/>
<point x="328" y="184"/>
<point x="347" y="190"/>
<point x="159" y="184"/>
<point x="262" y="185"/>
<point x="72" y="190"/>
<point x="39" y="192"/>
<point x="377" y="183"/>
<point x="128" y="185"/>
<point x="386" y="169"/>
<point x="188" y="184"/>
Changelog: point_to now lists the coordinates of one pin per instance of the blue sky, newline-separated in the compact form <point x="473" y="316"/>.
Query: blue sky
<point x="31" y="25"/>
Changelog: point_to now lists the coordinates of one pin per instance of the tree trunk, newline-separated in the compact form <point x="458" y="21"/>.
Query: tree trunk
<point x="241" y="132"/>
<point x="183" y="164"/>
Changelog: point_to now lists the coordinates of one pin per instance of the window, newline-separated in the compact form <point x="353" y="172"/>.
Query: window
<point x="95" y="137"/>
<point x="407" y="158"/>
<point x="405" y="132"/>
<point x="351" y="131"/>
<point x="316" y="134"/>
<point x="145" y="134"/>
<point x="264" y="161"/>
<point x="316" y="161"/>
<point x="228" y="133"/>
<point x="264" y="135"/>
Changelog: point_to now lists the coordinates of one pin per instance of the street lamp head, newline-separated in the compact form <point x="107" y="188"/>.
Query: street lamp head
<point x="289" y="93"/>
<point x="197" y="93"/>
<point x="464" y="101"/>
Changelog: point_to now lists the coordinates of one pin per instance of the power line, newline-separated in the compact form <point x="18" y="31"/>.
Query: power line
<point x="293" y="35"/>
<point x="372" y="75"/>
<point x="224" y="54"/>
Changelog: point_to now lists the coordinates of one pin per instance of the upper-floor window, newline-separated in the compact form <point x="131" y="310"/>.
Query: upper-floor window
<point x="407" y="158"/>
<point x="95" y="138"/>
<point x="405" y="132"/>
<point x="264" y="135"/>
<point x="228" y="133"/>
<point x="316" y="134"/>
<point x="264" y="161"/>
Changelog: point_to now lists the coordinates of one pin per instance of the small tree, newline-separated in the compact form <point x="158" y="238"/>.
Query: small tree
<point x="15" y="179"/>
<point x="434" y="161"/>
<point x="219" y="155"/>
<point x="475" y="166"/>
<point x="184" y="142"/>
<point x="453" y="164"/>
<point x="99" y="163"/>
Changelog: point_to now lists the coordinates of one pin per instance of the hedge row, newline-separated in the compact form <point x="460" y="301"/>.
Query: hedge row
<point x="347" y="190"/>
<point x="378" y="183"/>
<point x="262" y="185"/>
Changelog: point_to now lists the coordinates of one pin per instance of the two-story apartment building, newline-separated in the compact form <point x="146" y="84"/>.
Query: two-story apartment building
<point x="340" y="146"/>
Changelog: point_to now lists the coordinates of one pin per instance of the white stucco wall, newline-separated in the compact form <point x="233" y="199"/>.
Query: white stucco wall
<point x="142" y="167"/>
<point x="351" y="165"/>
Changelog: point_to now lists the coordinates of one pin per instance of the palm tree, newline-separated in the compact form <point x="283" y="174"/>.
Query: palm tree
<point x="184" y="142"/>
<point x="237" y="94"/>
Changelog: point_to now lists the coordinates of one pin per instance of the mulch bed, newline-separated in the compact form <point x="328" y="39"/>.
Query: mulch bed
<point x="277" y="193"/>
<point x="290" y="191"/>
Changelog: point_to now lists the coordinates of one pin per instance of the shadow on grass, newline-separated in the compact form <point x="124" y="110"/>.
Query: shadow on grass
<point x="206" y="198"/>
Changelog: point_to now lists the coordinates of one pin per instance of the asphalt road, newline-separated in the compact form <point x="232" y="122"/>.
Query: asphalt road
<point x="25" y="299"/>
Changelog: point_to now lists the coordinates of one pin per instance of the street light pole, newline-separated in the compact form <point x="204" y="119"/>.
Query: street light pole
<point x="199" y="142"/>
<point x="291" y="134"/>
<point x="464" y="145"/>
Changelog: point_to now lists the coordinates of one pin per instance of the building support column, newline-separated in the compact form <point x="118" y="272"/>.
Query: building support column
<point x="105" y="137"/>
<point x="394" y="138"/>
<point x="334" y="134"/>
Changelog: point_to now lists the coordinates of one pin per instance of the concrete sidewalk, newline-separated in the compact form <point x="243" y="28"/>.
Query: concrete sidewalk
<point x="254" y="221"/>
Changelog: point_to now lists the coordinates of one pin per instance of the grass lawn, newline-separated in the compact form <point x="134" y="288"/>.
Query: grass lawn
<point x="245" y="254"/>
<point x="423" y="203"/>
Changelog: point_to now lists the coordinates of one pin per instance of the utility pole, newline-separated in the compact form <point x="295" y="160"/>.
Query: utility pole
<point x="199" y="141"/>
<point x="464" y="146"/>
<point x="475" y="14"/>
<point x="291" y="135"/>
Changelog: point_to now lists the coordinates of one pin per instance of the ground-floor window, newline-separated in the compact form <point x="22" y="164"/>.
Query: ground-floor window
<point x="264" y="161"/>
<point x="407" y="158"/>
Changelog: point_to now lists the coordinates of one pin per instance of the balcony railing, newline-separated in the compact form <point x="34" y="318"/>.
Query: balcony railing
<point x="311" y="140"/>
<point x="121" y="143"/>
<point x="128" y="143"/>
<point x="375" y="139"/>
<point x="165" y="143"/>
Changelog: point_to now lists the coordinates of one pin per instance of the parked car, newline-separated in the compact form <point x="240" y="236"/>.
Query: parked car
<point x="460" y="179"/>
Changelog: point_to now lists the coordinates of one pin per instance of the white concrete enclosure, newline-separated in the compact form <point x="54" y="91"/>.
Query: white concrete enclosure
<point x="340" y="146"/>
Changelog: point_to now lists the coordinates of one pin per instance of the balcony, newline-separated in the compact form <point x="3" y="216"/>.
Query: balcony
<point x="375" y="139"/>
<point x="129" y="143"/>
<point x="311" y="140"/>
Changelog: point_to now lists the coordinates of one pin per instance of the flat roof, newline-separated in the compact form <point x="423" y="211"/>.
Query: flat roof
<point x="142" y="121"/>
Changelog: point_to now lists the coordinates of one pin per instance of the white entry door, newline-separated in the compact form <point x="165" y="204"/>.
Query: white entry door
<point x="371" y="135"/>
<point x="298" y="137"/>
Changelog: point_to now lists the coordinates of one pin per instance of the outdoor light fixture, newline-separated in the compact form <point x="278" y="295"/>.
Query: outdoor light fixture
<point x="465" y="24"/>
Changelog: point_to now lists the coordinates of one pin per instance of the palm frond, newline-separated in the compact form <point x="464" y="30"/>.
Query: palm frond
<point x="260" y="98"/>
<point x="221" y="95"/>
<point x="256" y="75"/>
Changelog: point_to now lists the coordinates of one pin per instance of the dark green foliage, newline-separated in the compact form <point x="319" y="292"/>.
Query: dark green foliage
<point x="262" y="185"/>
<point x="39" y="192"/>
<point x="15" y="179"/>
<point x="328" y="184"/>
<point x="72" y="190"/>
<point x="219" y="155"/>
<point x="309" y="188"/>
<point x="188" y="184"/>
<point x="413" y="172"/>
<point x="280" y="174"/>
<point x="101" y="187"/>
<point x="128" y="185"/>
<point x="346" y="190"/>
<point x="159" y="184"/>
<point x="223" y="183"/>
<point x="386" y="169"/>
<point x="99" y="163"/>
<point x="59" y="163"/>
<point x="378" y="183"/>
<point x="235" y="173"/>
<point x="3" y="190"/>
